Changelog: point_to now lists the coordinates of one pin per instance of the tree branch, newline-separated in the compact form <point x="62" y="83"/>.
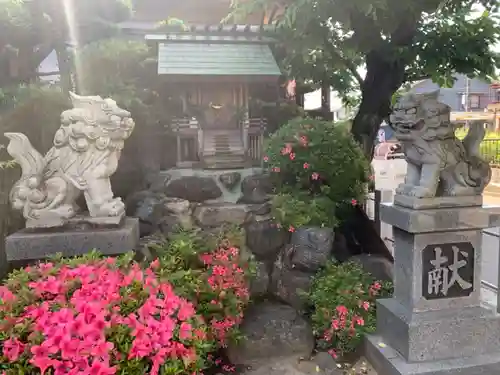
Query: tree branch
<point x="348" y="64"/>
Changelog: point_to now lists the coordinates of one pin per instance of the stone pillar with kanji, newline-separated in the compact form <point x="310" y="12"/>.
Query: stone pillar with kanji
<point x="436" y="322"/>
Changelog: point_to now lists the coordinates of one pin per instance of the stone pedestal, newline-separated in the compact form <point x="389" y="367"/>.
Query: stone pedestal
<point x="435" y="323"/>
<point x="27" y="245"/>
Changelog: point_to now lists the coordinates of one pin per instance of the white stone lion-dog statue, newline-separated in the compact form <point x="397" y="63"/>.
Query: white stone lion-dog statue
<point x="85" y="154"/>
<point x="439" y="164"/>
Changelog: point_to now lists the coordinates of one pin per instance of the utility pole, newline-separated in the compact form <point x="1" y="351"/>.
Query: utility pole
<point x="467" y="89"/>
<point x="466" y="105"/>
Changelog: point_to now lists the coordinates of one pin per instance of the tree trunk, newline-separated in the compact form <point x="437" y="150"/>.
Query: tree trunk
<point x="326" y="112"/>
<point x="383" y="78"/>
<point x="64" y="63"/>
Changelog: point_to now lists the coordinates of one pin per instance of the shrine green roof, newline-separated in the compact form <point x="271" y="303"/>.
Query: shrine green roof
<point x="223" y="58"/>
<point x="216" y="51"/>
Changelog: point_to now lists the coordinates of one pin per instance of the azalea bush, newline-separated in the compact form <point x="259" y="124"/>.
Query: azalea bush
<point x="213" y="274"/>
<point x="98" y="316"/>
<point x="94" y="315"/>
<point x="342" y="298"/>
<point x="320" y="165"/>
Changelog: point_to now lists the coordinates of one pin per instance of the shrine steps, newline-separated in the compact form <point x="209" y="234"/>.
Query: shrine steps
<point x="223" y="149"/>
<point x="227" y="161"/>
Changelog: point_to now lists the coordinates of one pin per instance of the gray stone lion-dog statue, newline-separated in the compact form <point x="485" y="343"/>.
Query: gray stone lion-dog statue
<point x="439" y="164"/>
<point x="85" y="154"/>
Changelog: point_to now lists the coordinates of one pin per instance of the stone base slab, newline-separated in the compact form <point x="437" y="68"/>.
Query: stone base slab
<point x="387" y="361"/>
<point x="74" y="241"/>
<point x="437" y="335"/>
<point x="438" y="202"/>
<point x="440" y="219"/>
<point x="98" y="221"/>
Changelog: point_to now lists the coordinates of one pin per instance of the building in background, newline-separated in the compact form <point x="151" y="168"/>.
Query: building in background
<point x="480" y="93"/>
<point x="312" y="103"/>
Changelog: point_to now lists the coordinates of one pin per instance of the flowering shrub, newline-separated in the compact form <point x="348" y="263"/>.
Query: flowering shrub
<point x="98" y="316"/>
<point x="343" y="301"/>
<point x="216" y="280"/>
<point x="312" y="160"/>
<point x="300" y="209"/>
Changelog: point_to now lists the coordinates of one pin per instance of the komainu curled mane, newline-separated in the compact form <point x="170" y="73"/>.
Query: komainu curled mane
<point x="85" y="154"/>
<point x="439" y="164"/>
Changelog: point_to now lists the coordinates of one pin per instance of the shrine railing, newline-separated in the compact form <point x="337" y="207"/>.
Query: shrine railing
<point x="255" y="139"/>
<point x="490" y="151"/>
<point x="189" y="137"/>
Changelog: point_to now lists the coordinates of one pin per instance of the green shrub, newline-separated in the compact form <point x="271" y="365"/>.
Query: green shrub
<point x="33" y="110"/>
<point x="113" y="68"/>
<point x="343" y="297"/>
<point x="316" y="167"/>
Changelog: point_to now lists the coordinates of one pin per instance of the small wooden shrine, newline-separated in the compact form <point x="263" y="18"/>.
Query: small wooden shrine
<point x="216" y="70"/>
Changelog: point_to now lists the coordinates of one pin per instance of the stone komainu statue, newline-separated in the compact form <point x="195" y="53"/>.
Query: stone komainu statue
<point x="439" y="164"/>
<point x="85" y="154"/>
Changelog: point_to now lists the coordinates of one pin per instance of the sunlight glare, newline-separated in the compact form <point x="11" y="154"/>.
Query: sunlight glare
<point x="69" y="15"/>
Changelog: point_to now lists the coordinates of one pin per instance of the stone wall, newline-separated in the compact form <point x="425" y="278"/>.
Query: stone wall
<point x="286" y="261"/>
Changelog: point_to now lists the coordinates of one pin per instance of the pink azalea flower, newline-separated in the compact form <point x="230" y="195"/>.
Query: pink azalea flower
<point x="266" y="158"/>
<point x="342" y="310"/>
<point x="286" y="150"/>
<point x="335" y="324"/>
<point x="306" y="165"/>
<point x="292" y="156"/>
<point x="315" y="176"/>
<point x="333" y="353"/>
<point x="12" y="349"/>
<point x="155" y="264"/>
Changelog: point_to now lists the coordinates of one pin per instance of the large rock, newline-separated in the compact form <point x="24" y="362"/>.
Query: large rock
<point x="272" y="330"/>
<point x="214" y="215"/>
<point x="142" y="205"/>
<point x="158" y="213"/>
<point x="260" y="283"/>
<point x="288" y="284"/>
<point x="173" y="213"/>
<point x="311" y="248"/>
<point x="193" y="188"/>
<point x="256" y="189"/>
<point x="378" y="266"/>
<point x="265" y="239"/>
<point x="230" y="180"/>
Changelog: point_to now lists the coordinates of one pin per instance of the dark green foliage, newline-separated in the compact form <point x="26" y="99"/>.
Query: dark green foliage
<point x="396" y="41"/>
<point x="343" y="300"/>
<point x="317" y="168"/>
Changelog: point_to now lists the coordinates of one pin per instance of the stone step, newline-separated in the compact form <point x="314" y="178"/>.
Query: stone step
<point x="236" y="153"/>
<point x="230" y="144"/>
<point x="224" y="161"/>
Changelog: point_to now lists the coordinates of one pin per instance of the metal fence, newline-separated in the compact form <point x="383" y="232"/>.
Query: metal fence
<point x="490" y="150"/>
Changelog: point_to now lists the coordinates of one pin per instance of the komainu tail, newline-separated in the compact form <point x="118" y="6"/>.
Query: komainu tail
<point x="479" y="171"/>
<point x="32" y="165"/>
<point x="21" y="150"/>
<point x="473" y="139"/>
